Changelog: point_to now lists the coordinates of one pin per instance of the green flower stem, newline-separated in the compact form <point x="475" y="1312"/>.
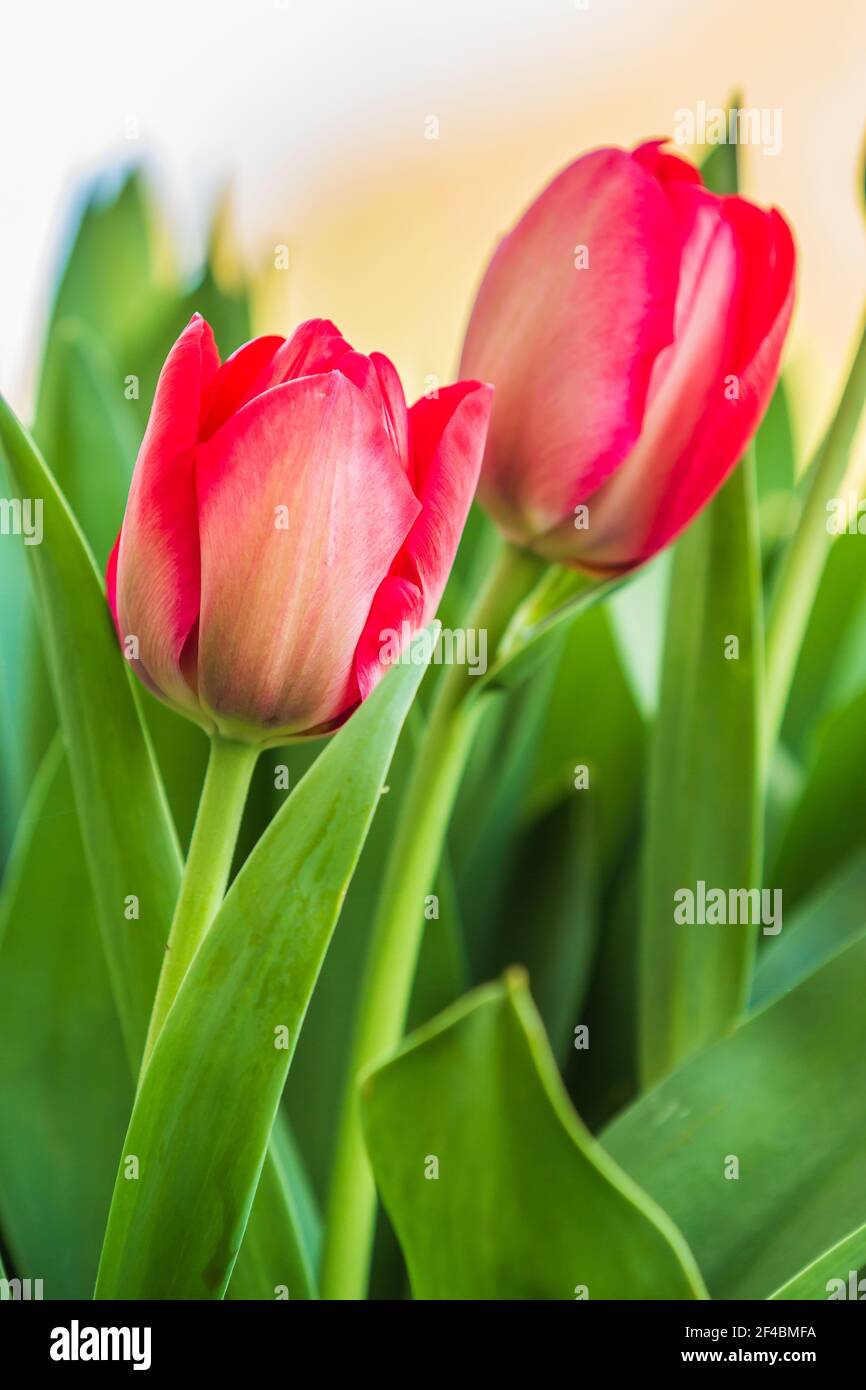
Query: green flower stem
<point x="805" y="557"/>
<point x="206" y="874"/>
<point x="398" y="928"/>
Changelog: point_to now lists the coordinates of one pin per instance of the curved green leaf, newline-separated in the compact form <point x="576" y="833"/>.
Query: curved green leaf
<point x="831" y="666"/>
<point x="128" y="838"/>
<point x="15" y="623"/>
<point x="776" y="474"/>
<point x="829" y="820"/>
<point x="65" y="1086"/>
<point x="591" y="718"/>
<point x="209" y="1095"/>
<point x="782" y="1096"/>
<point x="522" y="1202"/>
<point x="89" y="433"/>
<point x="833" y="1274"/>
<point x="820" y="926"/>
<point x="637" y="614"/>
<point x="281" y="1243"/>
<point x="704" y="817"/>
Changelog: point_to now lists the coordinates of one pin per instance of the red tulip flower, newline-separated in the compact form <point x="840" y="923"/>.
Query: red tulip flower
<point x="285" y="510"/>
<point x="632" y="324"/>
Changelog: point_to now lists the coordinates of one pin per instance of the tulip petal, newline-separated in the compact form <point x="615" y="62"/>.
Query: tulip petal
<point x="709" y="389"/>
<point x="111" y="584"/>
<point x="155" y="571"/>
<point x="447" y="436"/>
<point x="241" y="377"/>
<point x="315" y="346"/>
<point x="302" y="508"/>
<point x="767" y="258"/>
<point x="397" y="601"/>
<point x="570" y="350"/>
<point x="761" y="320"/>
<point x="395" y="405"/>
<point x="663" y="165"/>
<point x="378" y="379"/>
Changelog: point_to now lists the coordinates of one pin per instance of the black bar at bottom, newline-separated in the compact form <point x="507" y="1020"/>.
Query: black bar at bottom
<point x="152" y="1338"/>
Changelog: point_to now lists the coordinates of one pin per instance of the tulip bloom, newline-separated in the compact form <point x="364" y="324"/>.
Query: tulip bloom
<point x="286" y="510"/>
<point x="632" y="325"/>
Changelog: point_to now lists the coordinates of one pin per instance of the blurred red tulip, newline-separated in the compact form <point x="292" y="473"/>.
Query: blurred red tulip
<point x="632" y="325"/>
<point x="285" y="509"/>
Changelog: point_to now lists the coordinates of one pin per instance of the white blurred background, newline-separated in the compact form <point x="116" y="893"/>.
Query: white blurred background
<point x="318" y="115"/>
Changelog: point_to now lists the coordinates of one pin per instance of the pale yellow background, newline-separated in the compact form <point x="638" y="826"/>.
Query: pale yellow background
<point x="317" y="114"/>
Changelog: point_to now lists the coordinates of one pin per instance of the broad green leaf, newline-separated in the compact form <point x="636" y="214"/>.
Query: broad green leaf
<point x="820" y="925"/>
<point x="302" y="1198"/>
<point x="719" y="166"/>
<point x="775" y="469"/>
<point x="636" y="613"/>
<point x="534" y="850"/>
<point x="604" y="1077"/>
<point x="829" y="821"/>
<point x="208" y="1098"/>
<point x="831" y="668"/>
<point x="527" y="843"/>
<point x="590" y="720"/>
<point x="129" y="840"/>
<point x="108" y="287"/>
<point x="280" y="1248"/>
<point x="594" y="716"/>
<point x="776" y="461"/>
<point x="549" y="920"/>
<point x="833" y="1274"/>
<point x="526" y="858"/>
<point x="523" y="1202"/>
<point x="442" y="972"/>
<point x="704" y="785"/>
<point x="89" y="434"/>
<point x="65" y="1085"/>
<point x="86" y="428"/>
<point x="782" y="1097"/>
<point x="785" y="780"/>
<point x="720" y="162"/>
<point x="487" y="819"/>
<point x="798" y="575"/>
<point x="314" y="1088"/>
<point x="15" y="623"/>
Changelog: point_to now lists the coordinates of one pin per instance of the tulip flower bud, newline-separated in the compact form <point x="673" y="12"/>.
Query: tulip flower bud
<point x="286" y="510"/>
<point x="632" y="325"/>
